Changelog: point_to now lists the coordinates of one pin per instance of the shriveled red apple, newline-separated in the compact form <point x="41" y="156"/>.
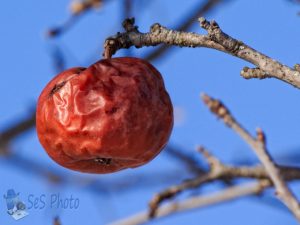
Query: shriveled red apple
<point x="113" y="115"/>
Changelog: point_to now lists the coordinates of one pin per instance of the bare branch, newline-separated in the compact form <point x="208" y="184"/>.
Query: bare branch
<point x="241" y="50"/>
<point x="198" y="202"/>
<point x="58" y="30"/>
<point x="211" y="159"/>
<point x="216" y="39"/>
<point x="175" y="190"/>
<point x="157" y="35"/>
<point x="258" y="144"/>
<point x="185" y="158"/>
<point x="221" y="172"/>
<point x="201" y="10"/>
<point x="127" y="8"/>
<point x="17" y="129"/>
<point x="217" y="171"/>
<point x="77" y="8"/>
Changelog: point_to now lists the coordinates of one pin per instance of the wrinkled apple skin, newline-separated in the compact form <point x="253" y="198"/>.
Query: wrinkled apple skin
<point x="113" y="115"/>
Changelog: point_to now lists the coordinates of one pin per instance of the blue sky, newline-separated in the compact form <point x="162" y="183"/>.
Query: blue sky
<point x="270" y="26"/>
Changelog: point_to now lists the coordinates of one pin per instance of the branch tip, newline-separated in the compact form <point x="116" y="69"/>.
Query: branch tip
<point x="211" y="159"/>
<point x="155" y="28"/>
<point x="208" y="25"/>
<point x="218" y="108"/>
<point x="297" y="67"/>
<point x="205" y="98"/>
<point x="128" y="24"/>
<point x="260" y="136"/>
<point x="203" y="23"/>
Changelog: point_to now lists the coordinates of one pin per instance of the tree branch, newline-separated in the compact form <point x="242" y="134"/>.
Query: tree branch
<point x="258" y="145"/>
<point x="185" y="159"/>
<point x="77" y="8"/>
<point x="219" y="171"/>
<point x="266" y="175"/>
<point x="228" y="194"/>
<point x="17" y="129"/>
<point x="215" y="39"/>
<point x="201" y="10"/>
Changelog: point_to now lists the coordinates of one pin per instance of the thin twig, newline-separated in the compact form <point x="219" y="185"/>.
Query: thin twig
<point x="17" y="129"/>
<point x="77" y="8"/>
<point x="190" y="162"/>
<point x="258" y="144"/>
<point x="127" y="8"/>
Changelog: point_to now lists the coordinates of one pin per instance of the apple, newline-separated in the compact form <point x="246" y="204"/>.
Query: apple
<point x="113" y="115"/>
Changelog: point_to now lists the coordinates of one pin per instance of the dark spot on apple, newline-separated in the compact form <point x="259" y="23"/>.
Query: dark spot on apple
<point x="56" y="88"/>
<point x="103" y="161"/>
